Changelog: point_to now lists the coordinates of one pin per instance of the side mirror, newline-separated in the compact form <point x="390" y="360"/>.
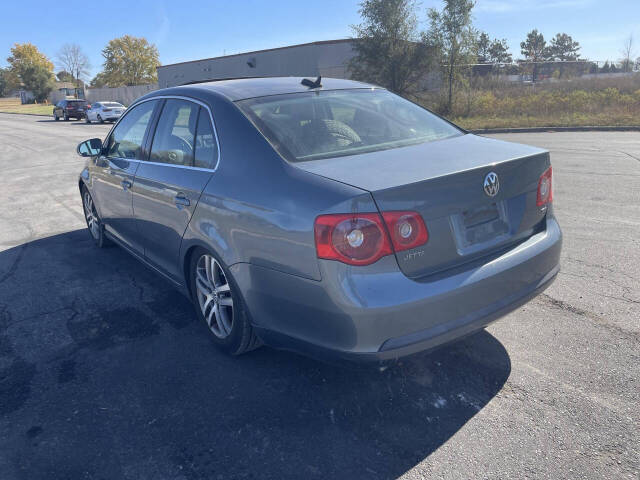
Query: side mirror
<point x="90" y="148"/>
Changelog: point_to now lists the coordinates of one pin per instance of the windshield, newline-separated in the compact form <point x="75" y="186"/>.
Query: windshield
<point x="316" y="125"/>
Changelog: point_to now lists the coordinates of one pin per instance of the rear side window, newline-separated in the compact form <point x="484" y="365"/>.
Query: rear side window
<point x="206" y="148"/>
<point x="126" y="139"/>
<point x="173" y="140"/>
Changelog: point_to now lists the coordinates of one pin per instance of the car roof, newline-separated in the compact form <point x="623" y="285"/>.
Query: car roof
<point x="243" y="88"/>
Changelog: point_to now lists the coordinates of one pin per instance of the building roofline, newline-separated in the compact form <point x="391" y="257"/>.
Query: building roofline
<point x="320" y="42"/>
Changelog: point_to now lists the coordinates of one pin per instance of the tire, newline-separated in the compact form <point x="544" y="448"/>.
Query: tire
<point x="100" y="119"/>
<point x="236" y="338"/>
<point x="86" y="119"/>
<point x="94" y="225"/>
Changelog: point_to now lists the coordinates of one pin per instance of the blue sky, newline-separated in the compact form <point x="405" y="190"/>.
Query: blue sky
<point x="185" y="30"/>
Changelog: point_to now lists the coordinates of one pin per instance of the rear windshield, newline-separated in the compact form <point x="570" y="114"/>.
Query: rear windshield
<point x="77" y="102"/>
<point x="323" y="124"/>
<point x="112" y="104"/>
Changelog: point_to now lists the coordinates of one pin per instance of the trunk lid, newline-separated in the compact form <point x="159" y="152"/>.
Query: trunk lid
<point x="444" y="182"/>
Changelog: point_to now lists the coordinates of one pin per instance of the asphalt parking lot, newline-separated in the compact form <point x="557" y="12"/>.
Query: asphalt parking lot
<point x="105" y="373"/>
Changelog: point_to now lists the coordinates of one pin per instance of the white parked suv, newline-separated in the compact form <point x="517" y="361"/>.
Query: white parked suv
<point x="104" y="112"/>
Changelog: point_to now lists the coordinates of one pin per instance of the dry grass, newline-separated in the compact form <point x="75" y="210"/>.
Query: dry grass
<point x="588" y="102"/>
<point x="13" y="105"/>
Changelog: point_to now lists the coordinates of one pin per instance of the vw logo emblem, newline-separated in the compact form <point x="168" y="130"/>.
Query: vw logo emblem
<point x="491" y="184"/>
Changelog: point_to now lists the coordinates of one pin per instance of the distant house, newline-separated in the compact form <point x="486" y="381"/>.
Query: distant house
<point x="64" y="90"/>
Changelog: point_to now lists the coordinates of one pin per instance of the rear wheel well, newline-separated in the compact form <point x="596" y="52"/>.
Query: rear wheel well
<point x="186" y="265"/>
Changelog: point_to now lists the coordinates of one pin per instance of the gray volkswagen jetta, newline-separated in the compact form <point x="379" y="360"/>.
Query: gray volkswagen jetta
<point x="327" y="216"/>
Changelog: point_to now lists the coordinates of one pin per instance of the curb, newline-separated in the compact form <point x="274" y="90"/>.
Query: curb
<point x="623" y="128"/>
<point x="34" y="114"/>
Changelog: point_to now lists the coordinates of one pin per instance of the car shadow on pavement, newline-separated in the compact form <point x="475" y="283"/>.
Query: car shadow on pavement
<point x="105" y="373"/>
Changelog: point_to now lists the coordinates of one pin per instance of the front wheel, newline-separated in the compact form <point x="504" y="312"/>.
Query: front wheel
<point x="95" y="226"/>
<point x="219" y="304"/>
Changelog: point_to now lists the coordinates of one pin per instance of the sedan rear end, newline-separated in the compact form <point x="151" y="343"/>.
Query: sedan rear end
<point x="459" y="230"/>
<point x="111" y="111"/>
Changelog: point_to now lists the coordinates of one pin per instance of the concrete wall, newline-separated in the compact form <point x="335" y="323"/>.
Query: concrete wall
<point x="123" y="95"/>
<point x="312" y="59"/>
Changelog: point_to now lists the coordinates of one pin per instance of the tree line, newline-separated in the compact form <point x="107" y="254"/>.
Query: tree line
<point x="393" y="52"/>
<point x="128" y="60"/>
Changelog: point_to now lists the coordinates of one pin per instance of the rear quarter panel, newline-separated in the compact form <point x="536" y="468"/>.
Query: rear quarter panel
<point x="258" y="209"/>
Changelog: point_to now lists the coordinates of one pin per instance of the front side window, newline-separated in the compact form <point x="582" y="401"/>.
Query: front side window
<point x="206" y="147"/>
<point x="315" y="125"/>
<point x="126" y="139"/>
<point x="173" y="140"/>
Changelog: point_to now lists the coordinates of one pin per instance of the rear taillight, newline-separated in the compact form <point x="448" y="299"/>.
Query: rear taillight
<point x="362" y="238"/>
<point x="407" y="229"/>
<point x="545" y="188"/>
<point x="356" y="239"/>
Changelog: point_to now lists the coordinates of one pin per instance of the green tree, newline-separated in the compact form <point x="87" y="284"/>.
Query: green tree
<point x="3" y="82"/>
<point x="64" y="76"/>
<point x="23" y="57"/>
<point x="563" y="48"/>
<point x="452" y="34"/>
<point x="484" y="43"/>
<point x="535" y="50"/>
<point x="499" y="51"/>
<point x="129" y="61"/>
<point x="388" y="47"/>
<point x="38" y="80"/>
<point x="492" y="51"/>
<point x="98" y="81"/>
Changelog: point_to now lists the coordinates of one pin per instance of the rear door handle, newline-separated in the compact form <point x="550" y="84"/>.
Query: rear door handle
<point x="126" y="184"/>
<point x="181" y="200"/>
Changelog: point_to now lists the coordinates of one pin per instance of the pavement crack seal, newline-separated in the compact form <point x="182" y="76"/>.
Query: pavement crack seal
<point x="73" y="211"/>
<point x="629" y="155"/>
<point x="14" y="266"/>
<point x="567" y="307"/>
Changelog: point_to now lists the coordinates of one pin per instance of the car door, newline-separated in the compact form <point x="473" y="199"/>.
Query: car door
<point x="115" y="173"/>
<point x="183" y="153"/>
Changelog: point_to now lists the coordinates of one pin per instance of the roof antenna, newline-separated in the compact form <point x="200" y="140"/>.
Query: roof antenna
<point x="311" y="84"/>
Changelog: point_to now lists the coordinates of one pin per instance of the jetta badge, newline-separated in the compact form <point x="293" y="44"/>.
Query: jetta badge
<point x="491" y="184"/>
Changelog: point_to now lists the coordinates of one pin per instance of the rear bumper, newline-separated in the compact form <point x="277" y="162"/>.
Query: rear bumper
<point x="377" y="313"/>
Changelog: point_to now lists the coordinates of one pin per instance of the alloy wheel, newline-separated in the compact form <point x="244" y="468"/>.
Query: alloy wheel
<point x="91" y="215"/>
<point x="214" y="296"/>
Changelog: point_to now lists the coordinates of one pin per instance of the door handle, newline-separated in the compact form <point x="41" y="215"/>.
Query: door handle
<point x="125" y="184"/>
<point x="181" y="200"/>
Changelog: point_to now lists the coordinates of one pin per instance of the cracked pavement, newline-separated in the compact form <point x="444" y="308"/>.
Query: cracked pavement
<point x="105" y="373"/>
